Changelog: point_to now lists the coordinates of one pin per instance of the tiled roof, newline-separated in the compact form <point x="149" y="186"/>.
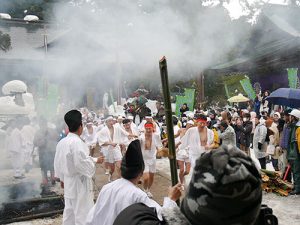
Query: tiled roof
<point x="27" y="38"/>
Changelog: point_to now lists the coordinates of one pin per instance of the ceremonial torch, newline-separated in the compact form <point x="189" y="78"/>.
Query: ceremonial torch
<point x="168" y="114"/>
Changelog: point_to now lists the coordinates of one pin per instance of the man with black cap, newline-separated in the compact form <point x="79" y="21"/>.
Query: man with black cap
<point x="225" y="189"/>
<point x="123" y="192"/>
<point x="75" y="169"/>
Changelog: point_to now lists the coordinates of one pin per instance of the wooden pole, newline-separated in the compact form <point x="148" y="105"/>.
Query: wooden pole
<point x="169" y="122"/>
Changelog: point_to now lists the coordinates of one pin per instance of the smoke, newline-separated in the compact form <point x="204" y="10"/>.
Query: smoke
<point x="128" y="38"/>
<point x="96" y="44"/>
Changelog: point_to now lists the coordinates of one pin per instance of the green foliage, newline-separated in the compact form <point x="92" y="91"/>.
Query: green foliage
<point x="5" y="43"/>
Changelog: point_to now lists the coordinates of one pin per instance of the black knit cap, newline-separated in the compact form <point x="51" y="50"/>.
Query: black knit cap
<point x="225" y="189"/>
<point x="73" y="119"/>
<point x="132" y="163"/>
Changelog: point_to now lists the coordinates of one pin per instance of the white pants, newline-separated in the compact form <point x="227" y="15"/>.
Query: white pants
<point x="113" y="155"/>
<point x="150" y="165"/>
<point x="182" y="155"/>
<point x="76" y="211"/>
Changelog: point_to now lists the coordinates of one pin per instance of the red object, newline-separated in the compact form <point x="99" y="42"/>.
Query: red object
<point x="149" y="125"/>
<point x="287" y="172"/>
<point x="201" y="121"/>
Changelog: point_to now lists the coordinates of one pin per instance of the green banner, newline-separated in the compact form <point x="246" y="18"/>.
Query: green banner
<point x="292" y="77"/>
<point x="48" y="100"/>
<point x="226" y="91"/>
<point x="246" y="84"/>
<point x="188" y="98"/>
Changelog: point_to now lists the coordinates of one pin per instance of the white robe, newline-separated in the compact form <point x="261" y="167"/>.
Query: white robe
<point x="191" y="142"/>
<point x="111" y="154"/>
<point x="75" y="168"/>
<point x="134" y="128"/>
<point x="28" y="132"/>
<point x="89" y="139"/>
<point x="149" y="154"/>
<point x="118" y="195"/>
<point x="15" y="147"/>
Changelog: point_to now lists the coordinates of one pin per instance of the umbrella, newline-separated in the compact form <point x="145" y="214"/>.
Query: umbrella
<point x="238" y="98"/>
<point x="285" y="96"/>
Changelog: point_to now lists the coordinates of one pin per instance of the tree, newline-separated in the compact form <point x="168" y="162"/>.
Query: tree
<point x="5" y="43"/>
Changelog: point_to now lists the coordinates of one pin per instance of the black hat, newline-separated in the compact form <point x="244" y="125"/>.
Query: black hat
<point x="247" y="115"/>
<point x="73" y="119"/>
<point x="138" y="214"/>
<point x="287" y="112"/>
<point x="132" y="163"/>
<point x="225" y="189"/>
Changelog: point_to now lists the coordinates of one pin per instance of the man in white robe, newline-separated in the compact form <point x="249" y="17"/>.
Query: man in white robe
<point x="123" y="192"/>
<point x="15" y="147"/>
<point x="89" y="136"/>
<point x="133" y="126"/>
<point x="150" y="143"/>
<point x="110" y="139"/>
<point x="75" y="170"/>
<point x="149" y="119"/>
<point x="132" y="132"/>
<point x="198" y="139"/>
<point x="28" y="132"/>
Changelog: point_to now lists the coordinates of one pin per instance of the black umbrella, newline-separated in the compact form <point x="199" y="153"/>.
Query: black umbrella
<point x="285" y="96"/>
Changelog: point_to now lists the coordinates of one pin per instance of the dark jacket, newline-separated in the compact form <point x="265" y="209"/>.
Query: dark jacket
<point x="245" y="133"/>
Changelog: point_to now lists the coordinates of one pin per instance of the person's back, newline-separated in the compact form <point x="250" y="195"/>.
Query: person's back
<point x="113" y="198"/>
<point x="75" y="169"/>
<point x="68" y="153"/>
<point x="121" y="193"/>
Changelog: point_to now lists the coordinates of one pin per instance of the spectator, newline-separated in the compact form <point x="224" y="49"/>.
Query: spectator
<point x="259" y="141"/>
<point x="227" y="135"/>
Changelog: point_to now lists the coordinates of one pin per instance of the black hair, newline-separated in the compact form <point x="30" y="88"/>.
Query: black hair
<point x="174" y="120"/>
<point x="224" y="124"/>
<point x="73" y="119"/>
<point x="200" y="116"/>
<point x="126" y="121"/>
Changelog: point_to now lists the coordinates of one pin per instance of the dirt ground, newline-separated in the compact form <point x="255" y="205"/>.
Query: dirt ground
<point x="159" y="191"/>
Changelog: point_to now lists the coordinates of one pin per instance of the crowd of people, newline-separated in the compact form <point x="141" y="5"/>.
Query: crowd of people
<point x="75" y="167"/>
<point x="129" y="151"/>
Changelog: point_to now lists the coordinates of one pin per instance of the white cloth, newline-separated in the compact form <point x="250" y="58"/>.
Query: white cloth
<point x="75" y="168"/>
<point x="111" y="154"/>
<point x="89" y="138"/>
<point x="182" y="154"/>
<point x="191" y="142"/>
<point x="260" y="134"/>
<point x="134" y="128"/>
<point x="126" y="140"/>
<point x="15" y="146"/>
<point x="149" y="155"/>
<point x="28" y="133"/>
<point x="118" y="195"/>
